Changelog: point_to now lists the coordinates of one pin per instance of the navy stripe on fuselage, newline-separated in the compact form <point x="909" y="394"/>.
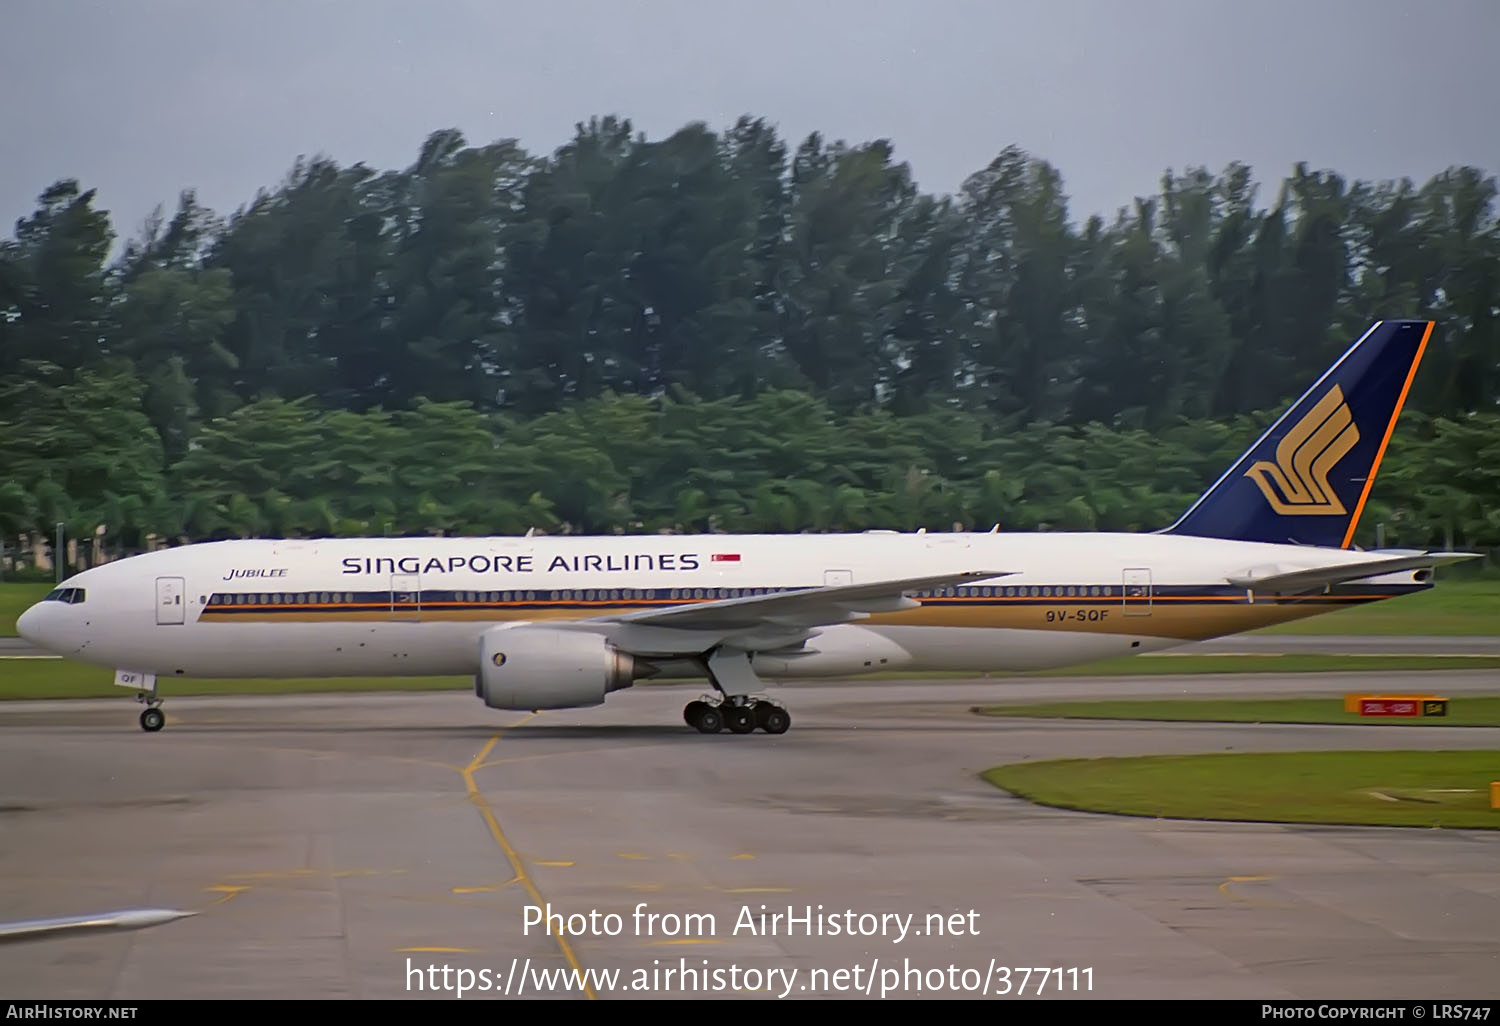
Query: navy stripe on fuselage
<point x="646" y="598"/>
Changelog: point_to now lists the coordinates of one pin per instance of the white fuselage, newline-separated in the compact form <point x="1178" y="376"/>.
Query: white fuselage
<point x="418" y="606"/>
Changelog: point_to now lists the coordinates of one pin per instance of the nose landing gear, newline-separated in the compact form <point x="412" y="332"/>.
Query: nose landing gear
<point x="152" y="718"/>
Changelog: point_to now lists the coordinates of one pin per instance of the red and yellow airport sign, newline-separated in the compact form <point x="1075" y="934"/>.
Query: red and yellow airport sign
<point x="1396" y="705"/>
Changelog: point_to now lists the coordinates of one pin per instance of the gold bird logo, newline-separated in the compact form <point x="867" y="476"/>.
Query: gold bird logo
<point x="1304" y="459"/>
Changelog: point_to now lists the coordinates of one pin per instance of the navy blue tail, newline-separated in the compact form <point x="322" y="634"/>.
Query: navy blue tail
<point x="1306" y="480"/>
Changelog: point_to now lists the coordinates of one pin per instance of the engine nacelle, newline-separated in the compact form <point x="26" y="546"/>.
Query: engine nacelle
<point x="529" y="668"/>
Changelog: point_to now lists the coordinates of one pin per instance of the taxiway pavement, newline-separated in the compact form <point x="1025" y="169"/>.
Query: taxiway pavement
<point x="340" y="845"/>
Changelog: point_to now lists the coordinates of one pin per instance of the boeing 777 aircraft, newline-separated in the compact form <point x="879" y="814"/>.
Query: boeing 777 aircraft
<point x="560" y="622"/>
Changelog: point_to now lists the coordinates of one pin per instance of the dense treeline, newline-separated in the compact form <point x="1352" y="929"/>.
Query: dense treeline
<point x="721" y="332"/>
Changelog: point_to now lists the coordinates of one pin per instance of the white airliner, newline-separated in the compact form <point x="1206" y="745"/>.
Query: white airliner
<point x="561" y="622"/>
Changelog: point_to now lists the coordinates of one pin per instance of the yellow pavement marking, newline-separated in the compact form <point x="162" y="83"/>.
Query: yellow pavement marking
<point x="289" y="874"/>
<point x="1225" y="890"/>
<point x="517" y="866"/>
<point x="554" y="863"/>
<point x="1224" y="887"/>
<point x="480" y="890"/>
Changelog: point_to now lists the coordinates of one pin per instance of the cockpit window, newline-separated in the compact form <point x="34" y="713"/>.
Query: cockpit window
<point x="72" y="596"/>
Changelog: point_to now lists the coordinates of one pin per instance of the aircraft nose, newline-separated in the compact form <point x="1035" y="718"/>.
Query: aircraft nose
<point x="40" y="626"/>
<point x="29" y="623"/>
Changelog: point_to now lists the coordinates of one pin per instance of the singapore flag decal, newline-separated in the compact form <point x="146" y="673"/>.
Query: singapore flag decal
<point x="724" y="557"/>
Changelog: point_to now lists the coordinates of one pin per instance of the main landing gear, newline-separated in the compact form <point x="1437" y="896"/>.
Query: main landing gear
<point x="740" y="714"/>
<point x="740" y="711"/>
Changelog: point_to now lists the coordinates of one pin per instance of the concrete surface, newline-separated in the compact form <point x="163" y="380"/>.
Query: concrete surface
<point x="335" y="842"/>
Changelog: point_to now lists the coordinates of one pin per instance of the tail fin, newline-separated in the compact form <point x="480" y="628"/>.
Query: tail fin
<point x="1306" y="480"/>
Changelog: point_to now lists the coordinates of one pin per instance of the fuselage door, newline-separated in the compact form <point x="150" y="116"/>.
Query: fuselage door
<point x="169" y="602"/>
<point x="406" y="597"/>
<point x="833" y="578"/>
<point x="1137" y="591"/>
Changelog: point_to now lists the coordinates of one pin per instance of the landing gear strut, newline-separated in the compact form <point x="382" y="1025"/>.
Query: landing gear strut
<point x="736" y="706"/>
<point x="152" y="718"/>
<point x="741" y="714"/>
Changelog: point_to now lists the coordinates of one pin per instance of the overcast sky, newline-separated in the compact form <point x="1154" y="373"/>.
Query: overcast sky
<point x="142" y="99"/>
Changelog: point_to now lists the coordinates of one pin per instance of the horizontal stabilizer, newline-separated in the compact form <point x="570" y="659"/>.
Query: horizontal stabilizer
<point x="125" y="919"/>
<point x="1274" y="580"/>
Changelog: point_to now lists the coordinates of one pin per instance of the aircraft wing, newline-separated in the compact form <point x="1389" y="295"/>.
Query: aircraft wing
<point x="803" y="607"/>
<point x="1274" y="580"/>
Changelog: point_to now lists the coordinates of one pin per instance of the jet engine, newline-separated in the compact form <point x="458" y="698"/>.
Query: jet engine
<point x="530" y="668"/>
